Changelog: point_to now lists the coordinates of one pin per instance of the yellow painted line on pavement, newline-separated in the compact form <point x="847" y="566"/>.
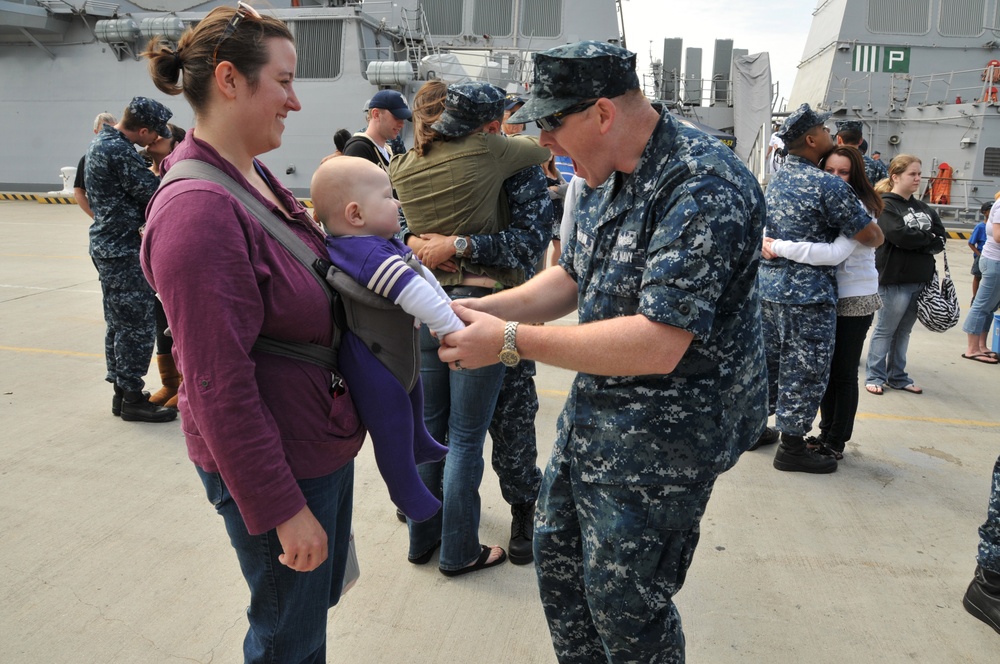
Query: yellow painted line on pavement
<point x="929" y="420"/>
<point x="860" y="416"/>
<point x="50" y="351"/>
<point x="78" y="256"/>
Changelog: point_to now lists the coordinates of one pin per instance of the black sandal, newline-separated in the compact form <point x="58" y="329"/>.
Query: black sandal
<point x="481" y="563"/>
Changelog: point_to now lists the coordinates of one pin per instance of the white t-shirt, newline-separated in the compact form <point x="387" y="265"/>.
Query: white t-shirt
<point x="775" y="159"/>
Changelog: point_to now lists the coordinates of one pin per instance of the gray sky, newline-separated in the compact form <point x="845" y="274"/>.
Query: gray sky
<point x="779" y="27"/>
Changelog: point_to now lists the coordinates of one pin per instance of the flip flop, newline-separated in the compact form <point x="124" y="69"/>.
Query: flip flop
<point x="874" y="389"/>
<point x="984" y="358"/>
<point x="479" y="564"/>
<point x="911" y="388"/>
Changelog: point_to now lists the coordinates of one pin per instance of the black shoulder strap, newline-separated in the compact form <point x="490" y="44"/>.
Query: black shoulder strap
<point x="194" y="169"/>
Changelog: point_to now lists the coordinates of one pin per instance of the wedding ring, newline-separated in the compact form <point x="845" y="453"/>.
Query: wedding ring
<point x="458" y="365"/>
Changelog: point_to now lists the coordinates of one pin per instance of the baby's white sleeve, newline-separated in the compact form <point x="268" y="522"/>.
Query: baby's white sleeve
<point x="425" y="300"/>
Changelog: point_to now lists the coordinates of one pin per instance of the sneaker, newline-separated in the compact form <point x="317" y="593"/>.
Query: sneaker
<point x="793" y="456"/>
<point x="769" y="437"/>
<point x="521" y="532"/>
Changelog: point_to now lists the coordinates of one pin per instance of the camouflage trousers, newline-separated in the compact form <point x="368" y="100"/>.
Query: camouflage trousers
<point x="798" y="343"/>
<point x="128" y="315"/>
<point x="609" y="559"/>
<point x="512" y="431"/>
<point x="989" y="532"/>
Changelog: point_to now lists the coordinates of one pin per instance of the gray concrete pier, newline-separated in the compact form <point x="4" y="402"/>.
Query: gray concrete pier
<point x="109" y="552"/>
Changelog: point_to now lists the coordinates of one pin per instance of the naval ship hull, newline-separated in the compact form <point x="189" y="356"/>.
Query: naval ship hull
<point x="64" y="61"/>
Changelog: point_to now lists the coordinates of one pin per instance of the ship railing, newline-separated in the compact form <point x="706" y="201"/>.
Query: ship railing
<point x="968" y="194"/>
<point x="970" y="85"/>
<point x="673" y="87"/>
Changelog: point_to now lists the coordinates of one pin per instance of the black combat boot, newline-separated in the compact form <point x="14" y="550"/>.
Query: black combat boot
<point x="137" y="408"/>
<point x="521" y="531"/>
<point x="116" y="401"/>
<point x="769" y="437"/>
<point x="982" y="599"/>
<point x="793" y="455"/>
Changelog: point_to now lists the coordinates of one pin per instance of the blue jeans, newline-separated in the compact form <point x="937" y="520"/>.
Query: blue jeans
<point x="458" y="406"/>
<point x="887" y="348"/>
<point x="288" y="609"/>
<point x="987" y="298"/>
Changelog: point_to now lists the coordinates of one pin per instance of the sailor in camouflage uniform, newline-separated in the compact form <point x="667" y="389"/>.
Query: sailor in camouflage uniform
<point x="804" y="204"/>
<point x="982" y="599"/>
<point x="671" y="385"/>
<point x="520" y="247"/>
<point x="119" y="185"/>
<point x="849" y="133"/>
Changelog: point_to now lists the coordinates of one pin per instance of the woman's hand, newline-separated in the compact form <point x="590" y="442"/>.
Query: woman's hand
<point x="765" y="249"/>
<point x="304" y="542"/>
<point x="436" y="252"/>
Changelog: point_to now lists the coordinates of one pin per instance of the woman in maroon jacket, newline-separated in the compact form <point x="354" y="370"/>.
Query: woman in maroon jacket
<point x="272" y="442"/>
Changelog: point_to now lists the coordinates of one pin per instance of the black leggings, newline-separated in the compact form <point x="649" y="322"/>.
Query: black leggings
<point x="164" y="344"/>
<point x="840" y="402"/>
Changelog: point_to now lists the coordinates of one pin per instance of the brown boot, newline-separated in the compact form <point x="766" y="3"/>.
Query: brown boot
<point x="170" y="378"/>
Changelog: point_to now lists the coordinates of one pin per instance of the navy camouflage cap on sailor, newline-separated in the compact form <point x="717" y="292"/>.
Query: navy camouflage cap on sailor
<point x="467" y="107"/>
<point x="849" y="125"/>
<point x="151" y="114"/>
<point x="567" y="75"/>
<point x="800" y="122"/>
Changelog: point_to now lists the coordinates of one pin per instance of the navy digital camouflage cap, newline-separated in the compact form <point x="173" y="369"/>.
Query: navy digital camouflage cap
<point x="800" y="122"/>
<point x="845" y="125"/>
<point x="467" y="107"/>
<point x="567" y="75"/>
<point x="151" y="114"/>
<point x="513" y="101"/>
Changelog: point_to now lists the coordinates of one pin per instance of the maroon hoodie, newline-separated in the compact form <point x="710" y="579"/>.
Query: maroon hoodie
<point x="260" y="420"/>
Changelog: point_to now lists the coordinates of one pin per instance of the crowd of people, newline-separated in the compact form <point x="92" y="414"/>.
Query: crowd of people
<point x="691" y="287"/>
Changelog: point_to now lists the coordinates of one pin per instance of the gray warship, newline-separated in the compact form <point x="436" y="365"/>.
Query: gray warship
<point x="922" y="75"/>
<point x="64" y="61"/>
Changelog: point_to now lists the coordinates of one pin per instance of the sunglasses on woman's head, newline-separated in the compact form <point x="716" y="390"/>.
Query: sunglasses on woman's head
<point x="242" y="11"/>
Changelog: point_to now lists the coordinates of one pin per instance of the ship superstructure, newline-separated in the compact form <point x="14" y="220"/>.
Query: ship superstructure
<point x="922" y="76"/>
<point x="64" y="61"/>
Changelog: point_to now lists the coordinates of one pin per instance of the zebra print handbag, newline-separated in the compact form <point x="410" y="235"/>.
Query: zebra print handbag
<point x="937" y="302"/>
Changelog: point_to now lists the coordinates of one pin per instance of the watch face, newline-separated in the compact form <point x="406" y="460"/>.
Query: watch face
<point x="461" y="244"/>
<point x="509" y="357"/>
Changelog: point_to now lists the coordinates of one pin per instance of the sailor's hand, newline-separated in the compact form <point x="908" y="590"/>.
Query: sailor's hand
<point x="478" y="345"/>
<point x="303" y="541"/>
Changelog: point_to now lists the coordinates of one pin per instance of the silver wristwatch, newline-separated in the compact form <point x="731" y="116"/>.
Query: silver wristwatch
<point x="508" y="354"/>
<point x="461" y="246"/>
